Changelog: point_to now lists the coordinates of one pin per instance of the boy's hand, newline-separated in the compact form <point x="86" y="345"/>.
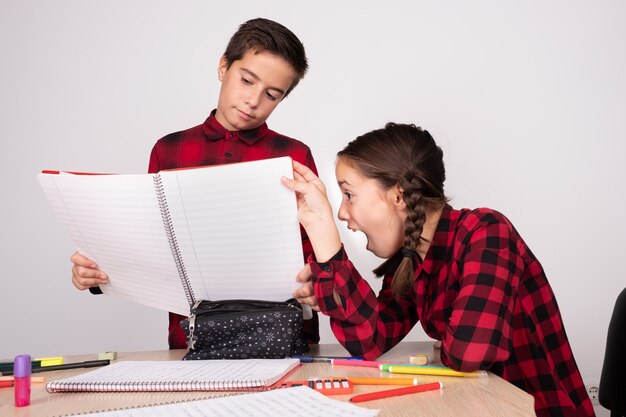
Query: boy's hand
<point x="85" y="273"/>
<point x="305" y="294"/>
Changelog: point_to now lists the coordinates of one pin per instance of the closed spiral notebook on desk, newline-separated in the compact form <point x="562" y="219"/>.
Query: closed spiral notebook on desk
<point x="206" y="375"/>
<point x="168" y="239"/>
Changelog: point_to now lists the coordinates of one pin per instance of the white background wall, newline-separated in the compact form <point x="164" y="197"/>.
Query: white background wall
<point x="527" y="100"/>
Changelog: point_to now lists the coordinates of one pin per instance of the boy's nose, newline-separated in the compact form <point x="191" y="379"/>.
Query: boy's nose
<point x="253" y="99"/>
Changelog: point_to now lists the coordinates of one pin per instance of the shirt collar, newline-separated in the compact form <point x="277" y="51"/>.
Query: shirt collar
<point x="213" y="130"/>
<point x="442" y="241"/>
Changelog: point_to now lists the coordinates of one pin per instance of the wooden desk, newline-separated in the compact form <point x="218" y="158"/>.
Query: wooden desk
<point x="480" y="397"/>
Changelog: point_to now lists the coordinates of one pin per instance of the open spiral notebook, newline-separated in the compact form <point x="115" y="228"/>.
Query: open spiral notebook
<point x="168" y="239"/>
<point x="204" y="375"/>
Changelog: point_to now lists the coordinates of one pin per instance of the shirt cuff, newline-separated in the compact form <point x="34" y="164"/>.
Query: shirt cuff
<point x="325" y="280"/>
<point x="326" y="266"/>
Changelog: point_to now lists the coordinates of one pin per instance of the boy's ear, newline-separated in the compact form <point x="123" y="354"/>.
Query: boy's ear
<point x="222" y="67"/>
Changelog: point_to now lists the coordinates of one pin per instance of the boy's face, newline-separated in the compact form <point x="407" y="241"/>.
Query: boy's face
<point x="251" y="89"/>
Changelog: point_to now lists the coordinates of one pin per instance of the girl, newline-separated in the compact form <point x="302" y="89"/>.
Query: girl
<point x="466" y="275"/>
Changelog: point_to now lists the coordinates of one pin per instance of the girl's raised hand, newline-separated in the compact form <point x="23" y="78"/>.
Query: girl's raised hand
<point x="314" y="211"/>
<point x="313" y="205"/>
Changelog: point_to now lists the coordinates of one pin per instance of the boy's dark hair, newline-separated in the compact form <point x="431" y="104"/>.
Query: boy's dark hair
<point x="261" y="35"/>
<point x="404" y="155"/>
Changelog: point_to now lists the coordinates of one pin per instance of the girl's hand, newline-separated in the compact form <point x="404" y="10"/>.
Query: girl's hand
<point x="305" y="294"/>
<point x="314" y="211"/>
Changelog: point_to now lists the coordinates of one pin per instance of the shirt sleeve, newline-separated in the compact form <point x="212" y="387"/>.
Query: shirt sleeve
<point x="365" y="324"/>
<point x="154" y="166"/>
<point x="479" y="330"/>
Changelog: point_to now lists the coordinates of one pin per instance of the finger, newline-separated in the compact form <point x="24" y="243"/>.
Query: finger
<point x="303" y="292"/>
<point x="80" y="260"/>
<point x="297" y="186"/>
<point x="304" y="171"/>
<point x="298" y="177"/>
<point x="305" y="274"/>
<point x="84" y="283"/>
<point x="83" y="272"/>
<point x="310" y="301"/>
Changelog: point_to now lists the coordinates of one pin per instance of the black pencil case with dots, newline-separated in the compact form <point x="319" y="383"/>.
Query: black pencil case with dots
<point x="243" y="329"/>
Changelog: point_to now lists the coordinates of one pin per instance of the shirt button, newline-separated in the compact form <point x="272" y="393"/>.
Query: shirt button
<point x="231" y="134"/>
<point x="327" y="268"/>
<point x="228" y="154"/>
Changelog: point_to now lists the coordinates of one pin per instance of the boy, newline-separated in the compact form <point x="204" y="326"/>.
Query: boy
<point x="263" y="62"/>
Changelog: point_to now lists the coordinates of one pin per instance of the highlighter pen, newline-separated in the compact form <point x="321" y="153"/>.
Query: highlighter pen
<point x="86" y="364"/>
<point x="383" y="381"/>
<point x="57" y="360"/>
<point x="35" y="363"/>
<point x="395" y="392"/>
<point x="21" y="380"/>
<point x="428" y="370"/>
<point x="8" y="366"/>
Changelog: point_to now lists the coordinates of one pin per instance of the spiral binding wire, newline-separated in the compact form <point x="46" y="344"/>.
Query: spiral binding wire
<point x="171" y="238"/>
<point x="158" y="386"/>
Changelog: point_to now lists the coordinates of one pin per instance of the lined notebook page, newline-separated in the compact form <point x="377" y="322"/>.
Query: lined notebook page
<point x="115" y="220"/>
<point x="237" y="229"/>
<point x="292" y="402"/>
<point x="205" y="375"/>
<point x="236" y="226"/>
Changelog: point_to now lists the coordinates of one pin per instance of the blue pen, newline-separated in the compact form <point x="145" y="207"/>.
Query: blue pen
<point x="327" y="359"/>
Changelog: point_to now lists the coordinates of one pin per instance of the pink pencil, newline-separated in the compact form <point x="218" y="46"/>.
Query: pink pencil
<point x="350" y="362"/>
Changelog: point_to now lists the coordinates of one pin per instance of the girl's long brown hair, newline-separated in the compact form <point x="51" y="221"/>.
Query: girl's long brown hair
<point x="404" y="155"/>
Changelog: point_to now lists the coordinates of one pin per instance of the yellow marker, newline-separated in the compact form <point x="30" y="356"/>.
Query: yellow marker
<point x="428" y="370"/>
<point x="58" y="360"/>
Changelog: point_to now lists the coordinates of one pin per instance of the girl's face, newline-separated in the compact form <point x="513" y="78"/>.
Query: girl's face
<point x="367" y="207"/>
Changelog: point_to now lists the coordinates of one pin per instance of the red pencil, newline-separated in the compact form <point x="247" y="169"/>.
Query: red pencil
<point x="395" y="392"/>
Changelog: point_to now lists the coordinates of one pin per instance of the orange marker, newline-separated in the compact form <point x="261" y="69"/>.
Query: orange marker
<point x="395" y="392"/>
<point x="33" y="379"/>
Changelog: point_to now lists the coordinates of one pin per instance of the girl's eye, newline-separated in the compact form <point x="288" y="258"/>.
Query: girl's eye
<point x="245" y="80"/>
<point x="348" y="195"/>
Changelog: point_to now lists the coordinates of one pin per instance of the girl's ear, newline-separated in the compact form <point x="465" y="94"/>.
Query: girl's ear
<point x="398" y="197"/>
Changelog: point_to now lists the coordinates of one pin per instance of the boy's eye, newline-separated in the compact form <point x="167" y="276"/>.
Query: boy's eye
<point x="348" y="195"/>
<point x="245" y="80"/>
<point x="271" y="96"/>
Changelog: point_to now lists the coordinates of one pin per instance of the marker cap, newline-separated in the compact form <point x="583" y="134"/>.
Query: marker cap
<point x="22" y="366"/>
